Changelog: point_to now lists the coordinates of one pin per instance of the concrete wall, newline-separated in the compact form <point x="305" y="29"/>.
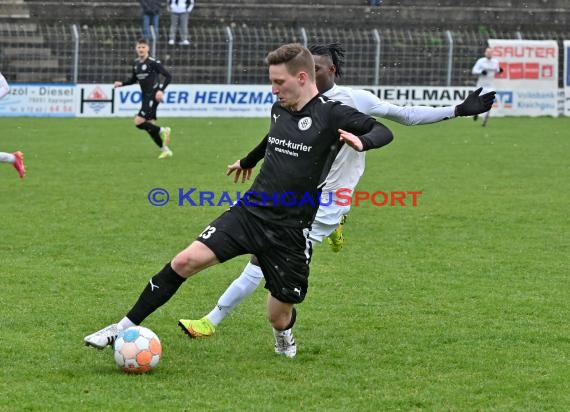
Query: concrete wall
<point x="441" y="14"/>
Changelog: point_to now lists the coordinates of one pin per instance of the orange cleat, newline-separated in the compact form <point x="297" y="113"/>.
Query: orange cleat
<point x="19" y="163"/>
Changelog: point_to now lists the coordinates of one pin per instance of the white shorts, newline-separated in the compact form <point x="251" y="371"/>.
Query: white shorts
<point x="326" y="221"/>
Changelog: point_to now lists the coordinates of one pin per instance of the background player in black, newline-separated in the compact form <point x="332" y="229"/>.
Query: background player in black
<point x="147" y="71"/>
<point x="306" y="132"/>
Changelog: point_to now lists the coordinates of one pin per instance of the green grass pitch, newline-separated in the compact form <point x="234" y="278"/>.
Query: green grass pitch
<point x="460" y="303"/>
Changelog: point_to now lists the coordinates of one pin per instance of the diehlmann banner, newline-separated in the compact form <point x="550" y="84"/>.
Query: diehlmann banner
<point x="528" y="84"/>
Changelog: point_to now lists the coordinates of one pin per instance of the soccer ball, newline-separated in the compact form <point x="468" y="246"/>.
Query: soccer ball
<point x="137" y="350"/>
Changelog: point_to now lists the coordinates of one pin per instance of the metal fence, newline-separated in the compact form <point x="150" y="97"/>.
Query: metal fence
<point x="234" y="55"/>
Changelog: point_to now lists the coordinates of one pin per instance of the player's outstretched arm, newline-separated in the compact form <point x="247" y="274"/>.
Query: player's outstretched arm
<point x="370" y="104"/>
<point x="244" y="167"/>
<point x="475" y="103"/>
<point x="253" y="157"/>
<point x="351" y="140"/>
<point x="245" y="173"/>
<point x="379" y="136"/>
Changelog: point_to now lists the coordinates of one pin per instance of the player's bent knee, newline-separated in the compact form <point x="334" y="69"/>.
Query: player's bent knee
<point x="193" y="259"/>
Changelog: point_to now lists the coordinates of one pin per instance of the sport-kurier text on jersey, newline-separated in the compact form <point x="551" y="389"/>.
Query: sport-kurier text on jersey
<point x="300" y="149"/>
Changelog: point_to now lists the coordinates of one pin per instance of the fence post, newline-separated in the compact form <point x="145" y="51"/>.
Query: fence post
<point x="304" y="36"/>
<point x="449" y="57"/>
<point x="378" y="42"/>
<point x="75" y="32"/>
<point x="230" y="53"/>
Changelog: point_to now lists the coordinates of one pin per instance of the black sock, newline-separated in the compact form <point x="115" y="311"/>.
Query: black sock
<point x="159" y="290"/>
<point x="153" y="130"/>
<point x="293" y="319"/>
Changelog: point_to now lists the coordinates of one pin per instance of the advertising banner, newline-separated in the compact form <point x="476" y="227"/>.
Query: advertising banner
<point x="528" y="84"/>
<point x="179" y="101"/>
<point x="101" y="100"/>
<point x="419" y="95"/>
<point x="235" y="101"/>
<point x="39" y="100"/>
<point x="566" y="77"/>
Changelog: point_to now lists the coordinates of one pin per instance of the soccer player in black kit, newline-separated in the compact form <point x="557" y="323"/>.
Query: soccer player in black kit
<point x="273" y="221"/>
<point x="147" y="71"/>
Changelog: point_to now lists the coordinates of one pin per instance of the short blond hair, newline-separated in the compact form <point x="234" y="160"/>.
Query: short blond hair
<point x="295" y="56"/>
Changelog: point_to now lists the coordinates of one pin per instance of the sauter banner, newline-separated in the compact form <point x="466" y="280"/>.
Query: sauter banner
<point x="528" y="84"/>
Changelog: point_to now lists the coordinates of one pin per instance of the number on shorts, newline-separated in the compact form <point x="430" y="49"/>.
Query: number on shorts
<point x="209" y="231"/>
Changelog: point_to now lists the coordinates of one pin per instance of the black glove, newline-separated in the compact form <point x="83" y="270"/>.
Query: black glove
<point x="484" y="72"/>
<point x="475" y="104"/>
<point x="501" y="70"/>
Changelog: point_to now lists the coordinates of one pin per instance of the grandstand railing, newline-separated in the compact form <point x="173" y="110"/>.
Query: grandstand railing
<point x="235" y="54"/>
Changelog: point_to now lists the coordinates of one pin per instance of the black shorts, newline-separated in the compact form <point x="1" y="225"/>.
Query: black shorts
<point x="284" y="253"/>
<point x="148" y="107"/>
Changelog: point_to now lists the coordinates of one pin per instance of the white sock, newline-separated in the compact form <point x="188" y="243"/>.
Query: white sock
<point x="164" y="148"/>
<point x="125" y="323"/>
<point x="7" y="157"/>
<point x="240" y="289"/>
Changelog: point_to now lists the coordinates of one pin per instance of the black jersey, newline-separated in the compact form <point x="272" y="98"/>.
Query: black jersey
<point x="147" y="73"/>
<point x="299" y="151"/>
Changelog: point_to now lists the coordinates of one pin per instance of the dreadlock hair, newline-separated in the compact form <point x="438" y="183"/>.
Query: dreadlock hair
<point x="334" y="50"/>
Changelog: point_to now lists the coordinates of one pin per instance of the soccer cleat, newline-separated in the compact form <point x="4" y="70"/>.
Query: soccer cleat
<point x="165" y="135"/>
<point x="19" y="163"/>
<point x="165" y="154"/>
<point x="475" y="118"/>
<point x="285" y="343"/>
<point x="199" y="328"/>
<point x="102" y="338"/>
<point x="336" y="238"/>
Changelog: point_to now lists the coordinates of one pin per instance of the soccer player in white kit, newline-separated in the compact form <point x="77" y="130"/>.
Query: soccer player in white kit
<point x="486" y="68"/>
<point x="16" y="159"/>
<point x="345" y="172"/>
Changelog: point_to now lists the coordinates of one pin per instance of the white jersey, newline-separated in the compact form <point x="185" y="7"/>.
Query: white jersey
<point x="4" y="88"/>
<point x="491" y="68"/>
<point x="349" y="164"/>
<point x="181" y="6"/>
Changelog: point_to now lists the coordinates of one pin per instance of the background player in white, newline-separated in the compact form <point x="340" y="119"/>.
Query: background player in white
<point x="486" y="68"/>
<point x="16" y="159"/>
<point x="344" y="173"/>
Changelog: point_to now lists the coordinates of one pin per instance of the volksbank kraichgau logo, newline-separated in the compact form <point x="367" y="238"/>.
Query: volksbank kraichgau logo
<point x="504" y="99"/>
